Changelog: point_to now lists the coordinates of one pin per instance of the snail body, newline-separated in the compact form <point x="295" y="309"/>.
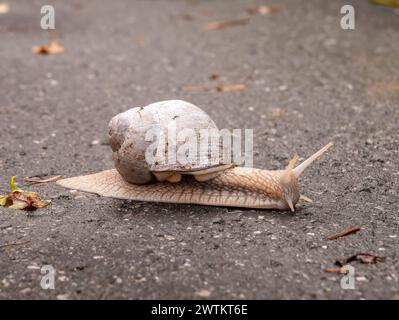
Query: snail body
<point x="217" y="182"/>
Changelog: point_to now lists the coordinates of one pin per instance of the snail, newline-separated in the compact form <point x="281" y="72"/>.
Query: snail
<point x="215" y="182"/>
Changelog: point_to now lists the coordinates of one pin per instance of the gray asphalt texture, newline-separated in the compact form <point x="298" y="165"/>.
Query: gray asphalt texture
<point x="308" y="82"/>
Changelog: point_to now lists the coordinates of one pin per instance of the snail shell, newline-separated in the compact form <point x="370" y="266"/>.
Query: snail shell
<point x="131" y="134"/>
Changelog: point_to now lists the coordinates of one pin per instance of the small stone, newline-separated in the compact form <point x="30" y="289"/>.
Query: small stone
<point x="142" y="279"/>
<point x="62" y="278"/>
<point x="5" y="283"/>
<point x="169" y="238"/>
<point x="63" y="296"/>
<point x="330" y="42"/>
<point x="95" y="142"/>
<point x="203" y="293"/>
<point x="362" y="278"/>
<point x="217" y="221"/>
<point x="26" y="290"/>
<point x="33" y="267"/>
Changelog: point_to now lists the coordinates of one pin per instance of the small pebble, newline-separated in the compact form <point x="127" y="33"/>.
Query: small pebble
<point x="361" y="278"/>
<point x="203" y="293"/>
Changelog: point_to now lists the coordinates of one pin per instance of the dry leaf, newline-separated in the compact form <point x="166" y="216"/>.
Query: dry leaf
<point x="217" y="25"/>
<point x="382" y="87"/>
<point x="277" y="113"/>
<point x="216" y="87"/>
<point x="12" y="184"/>
<point x="4" y="7"/>
<point x="5" y="201"/>
<point x="365" y="258"/>
<point x="333" y="270"/>
<point x="20" y="199"/>
<point x="344" y="233"/>
<point x="41" y="180"/>
<point x="264" y="10"/>
<point x="31" y="199"/>
<point x="214" y="76"/>
<point x="54" y="47"/>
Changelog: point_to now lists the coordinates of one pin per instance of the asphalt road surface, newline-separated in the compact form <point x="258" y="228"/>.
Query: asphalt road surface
<point x="308" y="82"/>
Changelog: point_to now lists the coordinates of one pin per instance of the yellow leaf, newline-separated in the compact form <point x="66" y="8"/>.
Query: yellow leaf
<point x="390" y="3"/>
<point x="19" y="199"/>
<point x="12" y="184"/>
<point x="3" y="200"/>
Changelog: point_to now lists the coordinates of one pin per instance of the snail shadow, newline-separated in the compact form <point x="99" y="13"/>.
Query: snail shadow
<point x="171" y="211"/>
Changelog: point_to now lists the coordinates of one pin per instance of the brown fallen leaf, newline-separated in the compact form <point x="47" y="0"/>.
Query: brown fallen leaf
<point x="264" y="10"/>
<point x="384" y="87"/>
<point x="277" y="113"/>
<point x="365" y="258"/>
<point x="20" y="199"/>
<point x="344" y="233"/>
<point x="217" y="25"/>
<point x="31" y="199"/>
<point x="333" y="270"/>
<point x="214" y="76"/>
<point x="216" y="87"/>
<point x="42" y="180"/>
<point x="54" y="47"/>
